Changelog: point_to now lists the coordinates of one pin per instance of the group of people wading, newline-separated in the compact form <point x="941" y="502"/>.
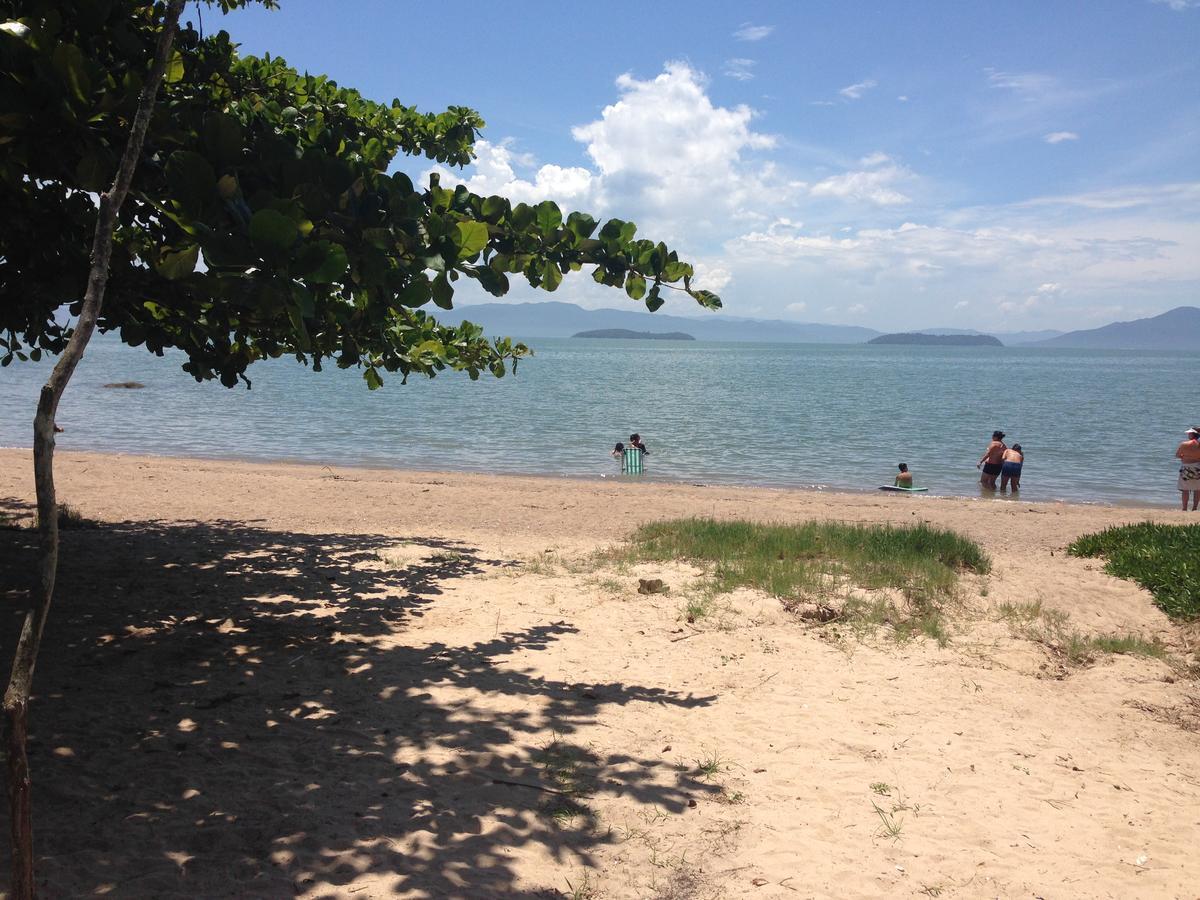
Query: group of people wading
<point x="1002" y="461"/>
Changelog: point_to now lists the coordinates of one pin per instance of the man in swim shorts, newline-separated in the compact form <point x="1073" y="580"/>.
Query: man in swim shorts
<point x="992" y="461"/>
<point x="1188" y="454"/>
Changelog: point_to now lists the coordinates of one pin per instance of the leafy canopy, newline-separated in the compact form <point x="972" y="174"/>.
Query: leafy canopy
<point x="263" y="219"/>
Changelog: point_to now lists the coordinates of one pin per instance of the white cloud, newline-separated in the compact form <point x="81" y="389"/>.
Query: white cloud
<point x="855" y="91"/>
<point x="903" y="98"/>
<point x="739" y="69"/>
<point x="1027" y="83"/>
<point x="856" y="309"/>
<point x="1178" y="195"/>
<point x="1179" y="5"/>
<point x="874" y="183"/>
<point x="494" y="173"/>
<point x="796" y="307"/>
<point x="666" y="152"/>
<point x="751" y="32"/>
<point x="961" y="304"/>
<point x="662" y="154"/>
<point x="1057" y="137"/>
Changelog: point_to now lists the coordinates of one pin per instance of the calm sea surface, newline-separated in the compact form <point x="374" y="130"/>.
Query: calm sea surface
<point x="1096" y="426"/>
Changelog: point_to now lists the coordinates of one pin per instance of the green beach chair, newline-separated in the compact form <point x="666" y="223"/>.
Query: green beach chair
<point x="631" y="462"/>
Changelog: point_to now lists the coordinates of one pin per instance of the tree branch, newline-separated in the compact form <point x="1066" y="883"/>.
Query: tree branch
<point x="16" y="697"/>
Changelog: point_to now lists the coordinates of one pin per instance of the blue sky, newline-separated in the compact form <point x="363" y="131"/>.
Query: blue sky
<point x="1001" y="166"/>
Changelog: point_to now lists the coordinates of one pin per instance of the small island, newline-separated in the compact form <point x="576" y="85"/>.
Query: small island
<point x="625" y="333"/>
<point x="938" y="340"/>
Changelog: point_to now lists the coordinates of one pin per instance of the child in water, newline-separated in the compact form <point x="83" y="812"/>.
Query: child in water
<point x="904" y="479"/>
<point x="618" y="451"/>
<point x="1010" y="468"/>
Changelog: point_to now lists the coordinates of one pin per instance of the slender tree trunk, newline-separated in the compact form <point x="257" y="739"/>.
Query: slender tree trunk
<point x="16" y="697"/>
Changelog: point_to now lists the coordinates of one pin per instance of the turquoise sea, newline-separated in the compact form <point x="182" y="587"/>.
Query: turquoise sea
<point x="1097" y="426"/>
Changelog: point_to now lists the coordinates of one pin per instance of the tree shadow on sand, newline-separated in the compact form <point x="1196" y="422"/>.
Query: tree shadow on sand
<point x="221" y="710"/>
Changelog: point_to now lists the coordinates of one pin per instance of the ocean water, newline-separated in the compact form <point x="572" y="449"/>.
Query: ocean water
<point x="1096" y="426"/>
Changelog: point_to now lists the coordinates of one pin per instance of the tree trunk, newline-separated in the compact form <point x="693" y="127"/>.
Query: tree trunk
<point x="16" y="697"/>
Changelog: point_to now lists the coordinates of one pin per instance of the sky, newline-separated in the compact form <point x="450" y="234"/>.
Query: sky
<point x="1000" y="166"/>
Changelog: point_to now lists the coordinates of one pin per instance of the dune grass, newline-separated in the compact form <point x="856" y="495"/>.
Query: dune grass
<point x="815" y="561"/>
<point x="1164" y="559"/>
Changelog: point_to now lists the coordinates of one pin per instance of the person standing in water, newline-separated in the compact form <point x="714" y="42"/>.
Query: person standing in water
<point x="1010" y="469"/>
<point x="1188" y="454"/>
<point x="993" y="459"/>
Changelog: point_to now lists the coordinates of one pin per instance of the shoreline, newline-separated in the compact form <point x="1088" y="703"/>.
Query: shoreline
<point x="613" y="478"/>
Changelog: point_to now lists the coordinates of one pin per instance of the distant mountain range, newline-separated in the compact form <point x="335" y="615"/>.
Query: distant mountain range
<point x="1178" y="329"/>
<point x="554" y="319"/>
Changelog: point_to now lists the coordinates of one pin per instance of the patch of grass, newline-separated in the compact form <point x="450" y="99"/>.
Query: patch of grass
<point x="890" y="825"/>
<point x="1164" y="559"/>
<point x="1128" y="644"/>
<point x="813" y="561"/>
<point x="882" y="788"/>
<point x="69" y="517"/>
<point x="446" y="556"/>
<point x="1052" y="628"/>
<point x="710" y="765"/>
<point x="698" y="607"/>
<point x="1021" y="613"/>
<point x="583" y="890"/>
<point x="566" y="768"/>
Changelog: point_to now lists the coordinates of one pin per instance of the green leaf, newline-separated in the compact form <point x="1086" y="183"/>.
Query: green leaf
<point x="273" y="230"/>
<point x="72" y="69"/>
<point x="192" y="182"/>
<point x="471" y="237"/>
<point x="322" y="262"/>
<point x="416" y="293"/>
<point x="654" y="302"/>
<point x="426" y="348"/>
<point x="298" y="328"/>
<point x="635" y="286"/>
<point x="675" y="270"/>
<point x="493" y="208"/>
<point x="223" y="138"/>
<point x="548" y="217"/>
<point x="174" y="71"/>
<point x="581" y="225"/>
<point x="443" y="293"/>
<point x="522" y="216"/>
<point x="371" y="376"/>
<point x="551" y="276"/>
<point x="176" y="264"/>
<point x="93" y="173"/>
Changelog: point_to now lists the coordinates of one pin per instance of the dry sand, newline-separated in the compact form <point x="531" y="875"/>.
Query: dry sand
<point x="275" y="681"/>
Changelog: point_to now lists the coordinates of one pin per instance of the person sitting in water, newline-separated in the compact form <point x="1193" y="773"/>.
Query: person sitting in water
<point x="618" y="451"/>
<point x="993" y="458"/>
<point x="1010" y="468"/>
<point x="904" y="479"/>
<point x="635" y="442"/>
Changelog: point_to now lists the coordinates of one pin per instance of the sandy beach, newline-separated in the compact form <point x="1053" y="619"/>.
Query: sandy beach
<point x="278" y="680"/>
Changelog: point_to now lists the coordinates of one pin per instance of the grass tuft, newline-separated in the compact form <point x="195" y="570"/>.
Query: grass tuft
<point x="814" y="561"/>
<point x="1164" y="559"/>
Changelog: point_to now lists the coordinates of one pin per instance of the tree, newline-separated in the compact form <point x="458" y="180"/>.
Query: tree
<point x="281" y="184"/>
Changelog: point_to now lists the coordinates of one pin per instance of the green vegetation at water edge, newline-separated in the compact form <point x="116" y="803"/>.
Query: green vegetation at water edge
<point x="819" y="561"/>
<point x="1164" y="559"/>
